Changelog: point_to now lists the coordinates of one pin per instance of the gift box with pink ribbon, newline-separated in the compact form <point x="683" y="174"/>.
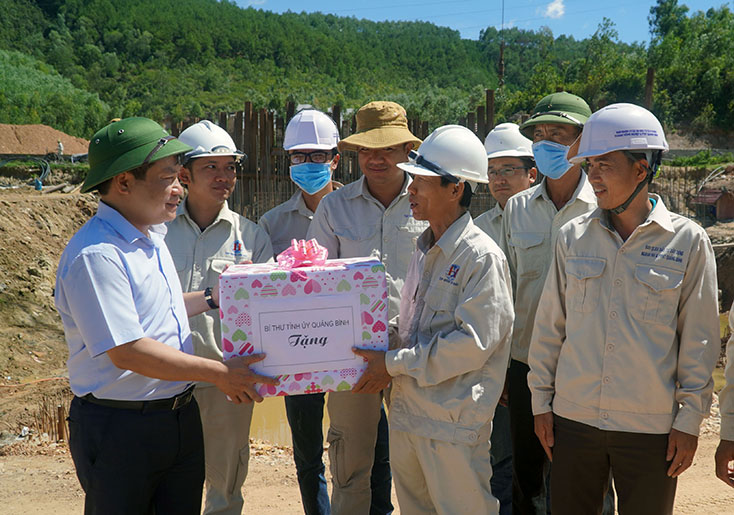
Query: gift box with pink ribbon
<point x="306" y="313"/>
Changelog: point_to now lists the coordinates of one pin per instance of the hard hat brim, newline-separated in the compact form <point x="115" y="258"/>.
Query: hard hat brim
<point x="509" y="153"/>
<point x="416" y="169"/>
<point x="526" y="128"/>
<point x="129" y="161"/>
<point x="310" y="146"/>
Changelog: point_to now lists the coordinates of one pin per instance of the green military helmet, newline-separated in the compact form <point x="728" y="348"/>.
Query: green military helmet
<point x="560" y="107"/>
<point x="126" y="144"/>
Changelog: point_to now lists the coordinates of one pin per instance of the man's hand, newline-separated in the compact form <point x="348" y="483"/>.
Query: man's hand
<point x="375" y="378"/>
<point x="725" y="462"/>
<point x="681" y="449"/>
<point x="239" y="381"/>
<point x="544" y="432"/>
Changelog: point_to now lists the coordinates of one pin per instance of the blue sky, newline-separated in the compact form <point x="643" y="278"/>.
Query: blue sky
<point x="578" y="18"/>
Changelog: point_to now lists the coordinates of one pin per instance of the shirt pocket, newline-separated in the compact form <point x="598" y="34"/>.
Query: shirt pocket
<point x="584" y="283"/>
<point x="529" y="250"/>
<point x="356" y="240"/>
<point x="182" y="261"/>
<point x="657" y="295"/>
<point x="215" y="266"/>
<point x="407" y="236"/>
<point x="440" y="309"/>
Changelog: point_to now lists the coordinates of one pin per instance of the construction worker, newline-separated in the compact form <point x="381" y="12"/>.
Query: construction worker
<point x="369" y="217"/>
<point x="530" y="224"/>
<point x="134" y="427"/>
<point x="205" y="238"/>
<point x="311" y="139"/>
<point x="511" y="170"/>
<point x="725" y="451"/>
<point x="455" y="329"/>
<point x="626" y="335"/>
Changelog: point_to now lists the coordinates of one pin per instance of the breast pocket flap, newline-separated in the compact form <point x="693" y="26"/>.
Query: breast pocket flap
<point x="658" y="278"/>
<point x="526" y="240"/>
<point x="585" y="267"/>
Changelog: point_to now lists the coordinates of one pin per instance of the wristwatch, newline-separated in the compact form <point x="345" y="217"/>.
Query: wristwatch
<point x="208" y="298"/>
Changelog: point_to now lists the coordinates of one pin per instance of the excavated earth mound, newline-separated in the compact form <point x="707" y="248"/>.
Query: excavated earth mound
<point x="38" y="140"/>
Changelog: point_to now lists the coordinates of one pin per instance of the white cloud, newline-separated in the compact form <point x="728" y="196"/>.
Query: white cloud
<point x="555" y="9"/>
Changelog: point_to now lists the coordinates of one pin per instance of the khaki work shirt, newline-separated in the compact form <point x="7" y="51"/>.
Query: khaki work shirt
<point x="726" y="397"/>
<point x="350" y="222"/>
<point x="286" y="221"/>
<point x="530" y="225"/>
<point x="200" y="256"/>
<point x="627" y="334"/>
<point x="455" y="330"/>
<point x="491" y="223"/>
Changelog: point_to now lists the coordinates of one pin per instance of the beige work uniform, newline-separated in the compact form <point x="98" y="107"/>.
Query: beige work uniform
<point x="350" y="222"/>
<point x="455" y="329"/>
<point x="726" y="397"/>
<point x="530" y="225"/>
<point x="200" y="256"/>
<point x="627" y="334"/>
<point x="491" y="222"/>
<point x="286" y="221"/>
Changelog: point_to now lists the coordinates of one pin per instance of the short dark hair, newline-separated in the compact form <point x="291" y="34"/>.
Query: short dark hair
<point x="139" y="173"/>
<point x="465" y="201"/>
<point x="527" y="162"/>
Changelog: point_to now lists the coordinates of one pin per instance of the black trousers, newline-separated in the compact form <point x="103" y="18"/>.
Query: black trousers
<point x="583" y="456"/>
<point x="530" y="465"/>
<point x="129" y="462"/>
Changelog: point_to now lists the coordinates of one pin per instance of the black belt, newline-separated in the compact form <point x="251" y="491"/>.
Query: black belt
<point x="172" y="403"/>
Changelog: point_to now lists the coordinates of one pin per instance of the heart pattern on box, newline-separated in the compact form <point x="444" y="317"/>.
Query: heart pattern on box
<point x="269" y="284"/>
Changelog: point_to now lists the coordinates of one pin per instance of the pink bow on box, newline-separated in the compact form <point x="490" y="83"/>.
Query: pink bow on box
<point x="302" y="253"/>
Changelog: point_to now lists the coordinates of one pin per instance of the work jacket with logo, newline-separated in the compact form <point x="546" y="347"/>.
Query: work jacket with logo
<point x="455" y="328"/>
<point x="627" y="332"/>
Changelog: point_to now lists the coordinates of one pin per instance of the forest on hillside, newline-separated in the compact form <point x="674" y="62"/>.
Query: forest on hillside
<point x="75" y="64"/>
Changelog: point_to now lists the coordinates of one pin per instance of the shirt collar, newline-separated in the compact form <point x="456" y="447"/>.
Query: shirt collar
<point x="122" y="226"/>
<point x="363" y="191"/>
<point x="659" y="215"/>
<point x="448" y="240"/>
<point x="225" y="214"/>
<point x="583" y="191"/>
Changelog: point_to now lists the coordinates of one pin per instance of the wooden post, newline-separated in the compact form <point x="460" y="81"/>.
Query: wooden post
<point x="61" y="423"/>
<point x="251" y="137"/>
<point x="649" y="83"/>
<point x="336" y="114"/>
<point x="481" y="122"/>
<point x="290" y="110"/>
<point x="239" y="117"/>
<point x="462" y="121"/>
<point x="490" y="109"/>
<point x="424" y="130"/>
<point x="471" y="120"/>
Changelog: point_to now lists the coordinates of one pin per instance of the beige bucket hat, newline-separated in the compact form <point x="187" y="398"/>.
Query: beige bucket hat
<point x="379" y="125"/>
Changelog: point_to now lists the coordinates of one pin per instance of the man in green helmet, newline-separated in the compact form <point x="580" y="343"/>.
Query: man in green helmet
<point x="134" y="427"/>
<point x="530" y="225"/>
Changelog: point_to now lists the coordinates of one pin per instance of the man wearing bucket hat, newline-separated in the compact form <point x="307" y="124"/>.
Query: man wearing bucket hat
<point x="369" y="217"/>
<point x="205" y="238"/>
<point x="455" y="329"/>
<point x="627" y="334"/>
<point x="310" y="140"/>
<point x="134" y="427"/>
<point x="530" y="224"/>
<point x="511" y="170"/>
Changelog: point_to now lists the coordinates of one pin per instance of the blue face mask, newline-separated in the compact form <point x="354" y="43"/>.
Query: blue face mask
<point x="551" y="158"/>
<point x="311" y="177"/>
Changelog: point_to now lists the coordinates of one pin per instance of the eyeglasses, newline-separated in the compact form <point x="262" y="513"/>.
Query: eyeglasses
<point x="506" y="172"/>
<point x="420" y="160"/>
<point x="317" y="156"/>
<point x="161" y="143"/>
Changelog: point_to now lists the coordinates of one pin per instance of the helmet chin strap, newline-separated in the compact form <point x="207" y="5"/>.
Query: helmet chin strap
<point x="650" y="174"/>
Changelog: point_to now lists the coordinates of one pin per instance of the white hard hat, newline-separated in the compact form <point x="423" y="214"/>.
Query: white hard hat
<point x="620" y="127"/>
<point x="208" y="139"/>
<point x="311" y="129"/>
<point x="506" y="140"/>
<point x="451" y="150"/>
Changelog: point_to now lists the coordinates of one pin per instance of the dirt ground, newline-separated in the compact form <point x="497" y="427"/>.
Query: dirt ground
<point x="38" y="140"/>
<point x="34" y="229"/>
